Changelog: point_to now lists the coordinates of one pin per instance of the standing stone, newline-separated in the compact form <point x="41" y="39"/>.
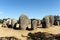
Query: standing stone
<point x="51" y="18"/>
<point x="9" y="22"/>
<point x="46" y="22"/>
<point x="29" y="24"/>
<point x="39" y="24"/>
<point x="56" y="20"/>
<point x="58" y="23"/>
<point x="13" y="22"/>
<point x="4" y="24"/>
<point x="23" y="21"/>
<point x="34" y="24"/>
<point x="43" y="23"/>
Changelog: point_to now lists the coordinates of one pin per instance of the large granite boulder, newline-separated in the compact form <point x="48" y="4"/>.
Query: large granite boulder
<point x="45" y="22"/>
<point x="48" y="21"/>
<point x="34" y="24"/>
<point x="29" y="25"/>
<point x="23" y="21"/>
<point x="51" y="18"/>
<point x="13" y="22"/>
<point x="9" y="23"/>
<point x="39" y="24"/>
<point x="4" y="24"/>
<point x="57" y="20"/>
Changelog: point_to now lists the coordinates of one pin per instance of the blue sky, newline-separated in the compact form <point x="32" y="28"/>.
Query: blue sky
<point x="33" y="8"/>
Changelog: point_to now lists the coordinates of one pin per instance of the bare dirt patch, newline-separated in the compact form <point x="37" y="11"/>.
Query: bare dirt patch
<point x="7" y="32"/>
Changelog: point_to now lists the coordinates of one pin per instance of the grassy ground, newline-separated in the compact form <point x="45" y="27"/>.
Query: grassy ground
<point x="20" y="33"/>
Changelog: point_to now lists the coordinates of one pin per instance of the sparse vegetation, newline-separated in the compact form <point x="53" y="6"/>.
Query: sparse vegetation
<point x="1" y="21"/>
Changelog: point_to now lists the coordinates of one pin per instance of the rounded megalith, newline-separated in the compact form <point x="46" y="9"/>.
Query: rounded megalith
<point x="23" y="21"/>
<point x="4" y="24"/>
<point x="39" y="24"/>
<point x="9" y="22"/>
<point x="34" y="24"/>
<point x="13" y="22"/>
<point x="56" y="20"/>
<point x="45" y="22"/>
<point x="51" y="18"/>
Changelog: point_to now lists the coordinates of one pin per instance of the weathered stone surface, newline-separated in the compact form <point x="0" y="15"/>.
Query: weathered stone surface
<point x="34" y="24"/>
<point x="39" y="24"/>
<point x="51" y="18"/>
<point x="56" y="20"/>
<point x="29" y="24"/>
<point x="23" y="21"/>
<point x="46" y="21"/>
<point x="43" y="23"/>
<point x="4" y="24"/>
<point x="9" y="21"/>
<point x="57" y="23"/>
<point x="13" y="22"/>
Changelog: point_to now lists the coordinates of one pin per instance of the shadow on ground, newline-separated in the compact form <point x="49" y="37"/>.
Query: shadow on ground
<point x="43" y="36"/>
<point x="9" y="38"/>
